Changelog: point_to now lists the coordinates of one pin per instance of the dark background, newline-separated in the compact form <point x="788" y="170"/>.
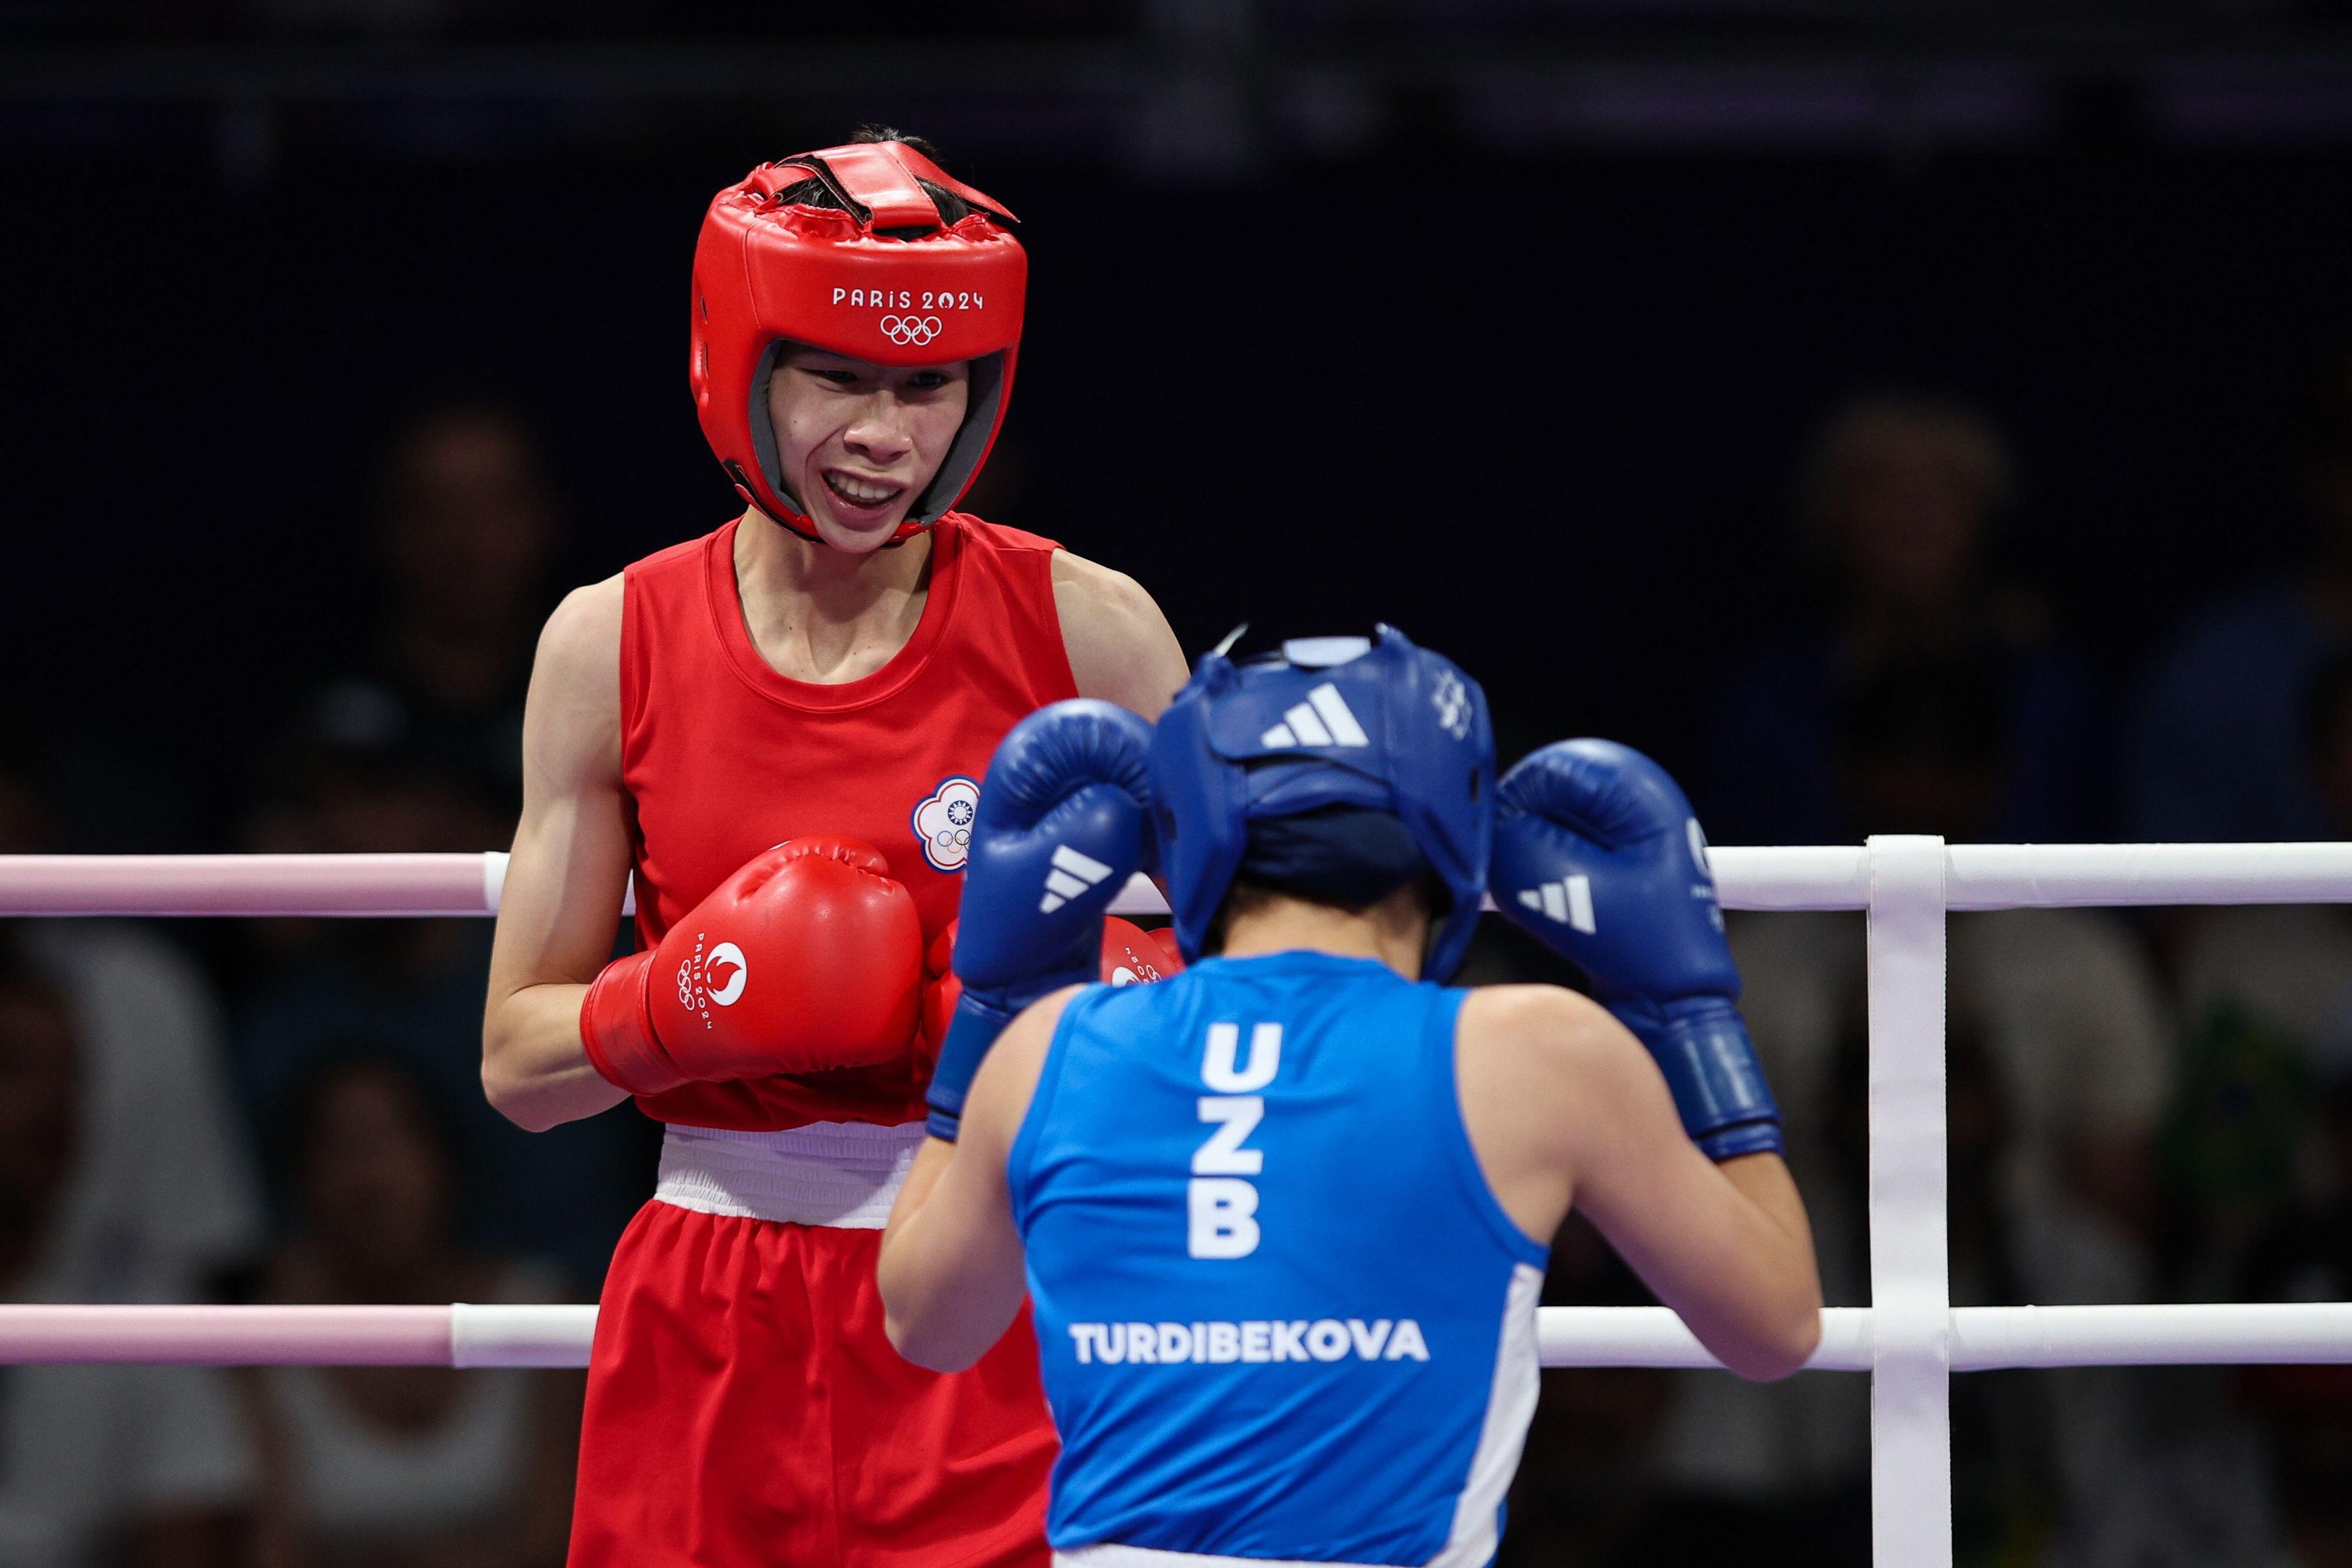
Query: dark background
<point x="1509" y="322"/>
<point x="1527" y="380"/>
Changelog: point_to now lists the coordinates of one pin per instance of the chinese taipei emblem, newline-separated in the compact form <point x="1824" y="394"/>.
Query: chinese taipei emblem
<point x="943" y="822"/>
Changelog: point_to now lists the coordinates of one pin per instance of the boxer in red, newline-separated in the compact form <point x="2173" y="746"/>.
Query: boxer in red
<point x="775" y="731"/>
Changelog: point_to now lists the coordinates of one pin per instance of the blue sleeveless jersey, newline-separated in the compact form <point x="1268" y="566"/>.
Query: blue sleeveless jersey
<point x="1281" y="1315"/>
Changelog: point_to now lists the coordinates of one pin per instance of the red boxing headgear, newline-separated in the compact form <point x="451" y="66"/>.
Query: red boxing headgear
<point x="884" y="278"/>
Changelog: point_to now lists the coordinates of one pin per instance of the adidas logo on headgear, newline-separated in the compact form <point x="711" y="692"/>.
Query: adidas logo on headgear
<point x="1568" y="902"/>
<point x="1323" y="719"/>
<point x="1073" y="874"/>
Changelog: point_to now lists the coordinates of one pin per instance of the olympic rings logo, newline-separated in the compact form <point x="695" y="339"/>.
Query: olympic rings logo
<point x="696" y="993"/>
<point x="1453" y="703"/>
<point x="909" y="330"/>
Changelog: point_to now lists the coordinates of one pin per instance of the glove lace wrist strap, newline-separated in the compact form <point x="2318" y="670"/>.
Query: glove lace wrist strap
<point x="1703" y="1049"/>
<point x="976" y="1023"/>
<point x="1758" y="1137"/>
<point x="616" y="1028"/>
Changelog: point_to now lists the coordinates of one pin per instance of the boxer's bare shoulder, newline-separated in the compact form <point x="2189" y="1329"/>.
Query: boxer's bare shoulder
<point x="1547" y="1032"/>
<point x="571" y="719"/>
<point x="583" y="637"/>
<point x="1540" y="1070"/>
<point x="1120" y="646"/>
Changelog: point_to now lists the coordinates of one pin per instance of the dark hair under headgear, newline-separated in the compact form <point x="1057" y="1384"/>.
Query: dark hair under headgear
<point x="1347" y="855"/>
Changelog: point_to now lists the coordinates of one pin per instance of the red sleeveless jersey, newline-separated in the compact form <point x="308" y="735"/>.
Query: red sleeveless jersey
<point x="721" y="757"/>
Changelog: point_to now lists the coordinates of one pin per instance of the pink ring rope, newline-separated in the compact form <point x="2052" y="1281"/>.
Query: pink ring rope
<point x="456" y="1335"/>
<point x="1982" y="1338"/>
<point x="406" y="884"/>
<point x="229" y="1337"/>
<point x="1975" y="876"/>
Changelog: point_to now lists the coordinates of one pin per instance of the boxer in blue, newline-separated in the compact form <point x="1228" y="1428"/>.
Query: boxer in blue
<point x="1283" y="1218"/>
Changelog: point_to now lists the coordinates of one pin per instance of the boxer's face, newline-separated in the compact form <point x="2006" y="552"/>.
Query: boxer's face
<point x="858" y="441"/>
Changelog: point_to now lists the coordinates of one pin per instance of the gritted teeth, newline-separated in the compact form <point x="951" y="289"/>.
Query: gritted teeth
<point x="860" y="491"/>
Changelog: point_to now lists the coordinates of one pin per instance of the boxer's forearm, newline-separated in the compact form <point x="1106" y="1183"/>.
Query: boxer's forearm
<point x="930" y="1160"/>
<point x="559" y="904"/>
<point x="556" y="921"/>
<point x="1728" y="1248"/>
<point x="1763" y="1180"/>
<point x="1781" y="1238"/>
<point x="950" y="1271"/>
<point x="534" y="1069"/>
<point x="1725" y="1245"/>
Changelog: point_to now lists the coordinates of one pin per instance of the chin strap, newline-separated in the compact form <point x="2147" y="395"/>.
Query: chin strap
<point x="905" y="531"/>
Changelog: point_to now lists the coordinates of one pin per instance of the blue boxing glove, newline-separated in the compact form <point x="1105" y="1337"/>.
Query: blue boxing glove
<point x="1063" y="820"/>
<point x="1598" y="856"/>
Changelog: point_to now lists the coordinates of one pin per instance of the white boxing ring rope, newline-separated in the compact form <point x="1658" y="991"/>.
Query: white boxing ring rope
<point x="1910" y="1340"/>
<point x="1835" y="876"/>
<point x="1982" y="1339"/>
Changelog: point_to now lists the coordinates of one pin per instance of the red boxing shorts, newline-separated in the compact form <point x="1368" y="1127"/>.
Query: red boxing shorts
<point x="745" y="1409"/>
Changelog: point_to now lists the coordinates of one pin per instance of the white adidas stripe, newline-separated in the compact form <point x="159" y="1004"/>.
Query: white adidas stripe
<point x="1344" y="728"/>
<point x="1306" y="726"/>
<point x="1568" y="902"/>
<point x="1072" y="873"/>
<point x="1323" y="719"/>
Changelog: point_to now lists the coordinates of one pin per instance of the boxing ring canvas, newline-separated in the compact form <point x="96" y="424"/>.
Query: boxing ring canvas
<point x="1910" y="1339"/>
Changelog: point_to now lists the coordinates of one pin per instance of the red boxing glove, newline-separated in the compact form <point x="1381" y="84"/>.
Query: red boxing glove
<point x="941" y="990"/>
<point x="1172" y="956"/>
<point x="1130" y="955"/>
<point x="808" y="959"/>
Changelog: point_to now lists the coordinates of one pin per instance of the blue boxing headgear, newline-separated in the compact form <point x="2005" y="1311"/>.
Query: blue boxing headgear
<point x="1328" y="725"/>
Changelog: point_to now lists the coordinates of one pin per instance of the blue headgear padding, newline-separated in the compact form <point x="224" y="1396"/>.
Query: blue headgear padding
<point x="1328" y="721"/>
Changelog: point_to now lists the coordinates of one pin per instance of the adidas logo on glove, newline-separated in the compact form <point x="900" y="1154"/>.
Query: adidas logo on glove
<point x="1073" y="874"/>
<point x="1569" y="901"/>
<point x="1323" y="719"/>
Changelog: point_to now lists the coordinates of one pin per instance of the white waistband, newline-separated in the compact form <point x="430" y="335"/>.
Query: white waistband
<point x="1103" y="1554"/>
<point x="840" y="1173"/>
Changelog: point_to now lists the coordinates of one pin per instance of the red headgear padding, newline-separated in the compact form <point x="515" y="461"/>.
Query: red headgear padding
<point x="886" y="280"/>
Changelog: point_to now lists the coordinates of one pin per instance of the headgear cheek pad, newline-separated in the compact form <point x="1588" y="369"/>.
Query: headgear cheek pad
<point x="883" y="277"/>
<point x="1327" y="722"/>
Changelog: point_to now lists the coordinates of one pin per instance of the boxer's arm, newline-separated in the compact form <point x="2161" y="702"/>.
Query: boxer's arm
<point x="950" y="1269"/>
<point x="1564" y="1104"/>
<point x="561" y="906"/>
<point x="1120" y="647"/>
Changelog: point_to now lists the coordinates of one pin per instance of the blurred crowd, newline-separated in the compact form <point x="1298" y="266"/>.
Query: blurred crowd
<point x="290" y="1112"/>
<point x="2142" y="1108"/>
<point x="477" y="18"/>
